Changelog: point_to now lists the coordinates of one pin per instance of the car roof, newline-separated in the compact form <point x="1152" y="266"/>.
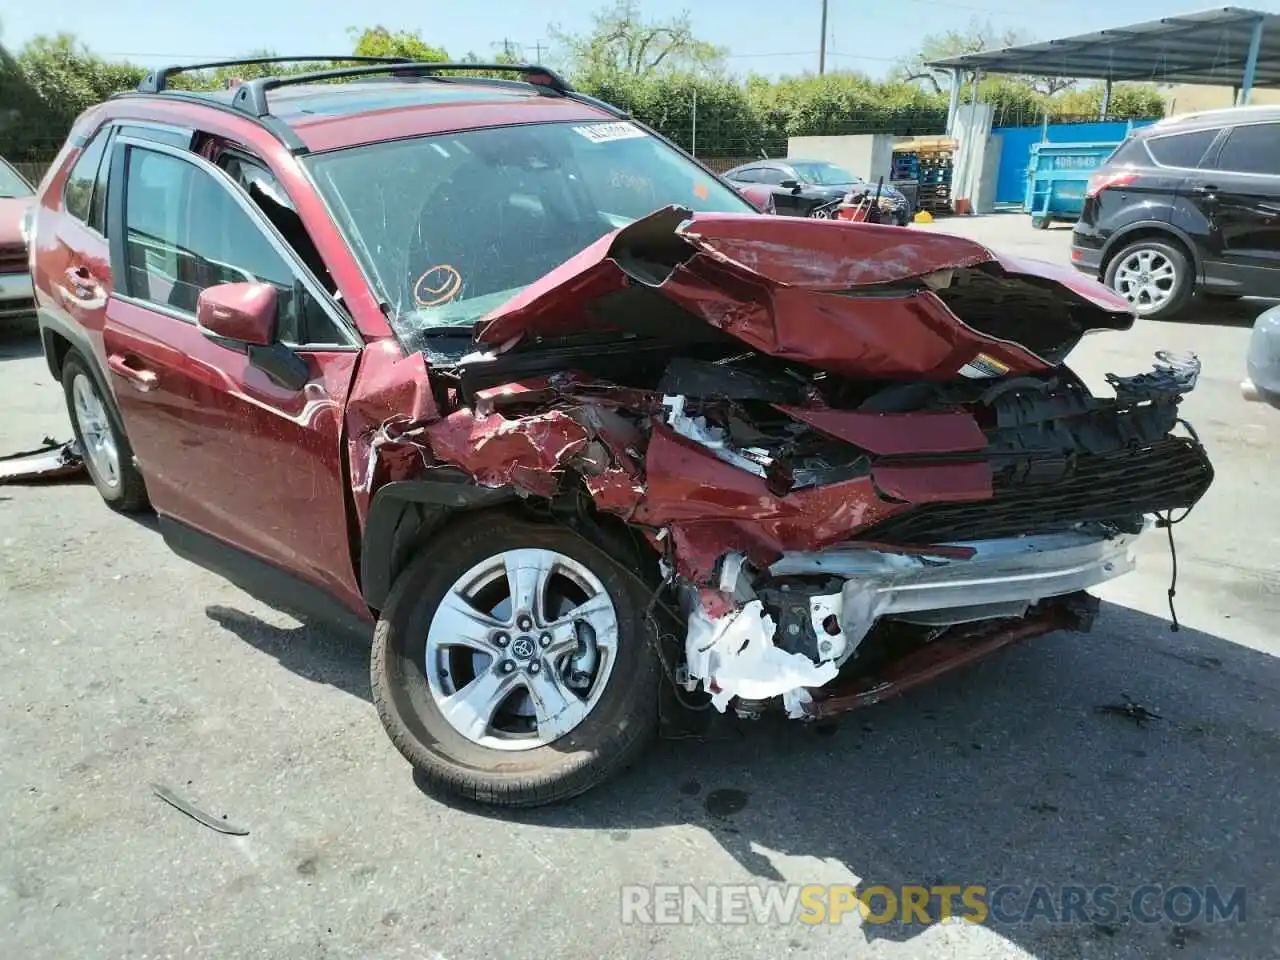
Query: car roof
<point x="1209" y="119"/>
<point x="328" y="116"/>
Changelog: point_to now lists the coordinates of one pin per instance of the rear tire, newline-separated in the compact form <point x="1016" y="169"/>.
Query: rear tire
<point x="1040" y="223"/>
<point x="108" y="457"/>
<point x="454" y="709"/>
<point x="1155" y="276"/>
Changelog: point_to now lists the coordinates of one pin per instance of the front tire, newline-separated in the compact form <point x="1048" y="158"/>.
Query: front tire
<point x="516" y="667"/>
<point x="107" y="454"/>
<point x="1154" y="276"/>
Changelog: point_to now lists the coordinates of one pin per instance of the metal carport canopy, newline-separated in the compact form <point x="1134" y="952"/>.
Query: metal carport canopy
<point x="1225" y="46"/>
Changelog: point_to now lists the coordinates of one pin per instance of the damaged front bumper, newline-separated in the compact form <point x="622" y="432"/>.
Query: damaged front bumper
<point x="806" y="637"/>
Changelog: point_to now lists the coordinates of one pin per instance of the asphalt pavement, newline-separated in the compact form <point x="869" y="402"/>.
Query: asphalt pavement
<point x="1130" y="758"/>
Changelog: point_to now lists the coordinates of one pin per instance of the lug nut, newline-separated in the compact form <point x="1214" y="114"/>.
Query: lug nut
<point x="501" y="639"/>
<point x="507" y="666"/>
<point x="524" y="623"/>
<point x="545" y="640"/>
<point x="535" y="667"/>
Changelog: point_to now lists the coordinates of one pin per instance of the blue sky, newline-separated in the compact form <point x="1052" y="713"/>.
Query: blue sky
<point x="766" y="36"/>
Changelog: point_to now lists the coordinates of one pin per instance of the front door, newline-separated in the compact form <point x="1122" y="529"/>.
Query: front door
<point x="232" y="456"/>
<point x="1239" y="195"/>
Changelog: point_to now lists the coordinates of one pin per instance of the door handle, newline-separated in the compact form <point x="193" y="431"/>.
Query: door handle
<point x="1205" y="189"/>
<point x="128" y="368"/>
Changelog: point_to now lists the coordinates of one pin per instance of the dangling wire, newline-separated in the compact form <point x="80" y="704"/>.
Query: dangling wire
<point x="1166" y="520"/>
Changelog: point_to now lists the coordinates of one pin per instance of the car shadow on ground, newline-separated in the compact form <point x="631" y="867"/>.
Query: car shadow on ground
<point x="1218" y="312"/>
<point x="1125" y="757"/>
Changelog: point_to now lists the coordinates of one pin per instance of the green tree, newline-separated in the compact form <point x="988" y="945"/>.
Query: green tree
<point x="623" y="43"/>
<point x="381" y="42"/>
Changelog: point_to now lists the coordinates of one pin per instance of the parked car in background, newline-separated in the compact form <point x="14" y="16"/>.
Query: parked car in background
<point x="1190" y="203"/>
<point x="1262" y="362"/>
<point x="16" y="198"/>
<point x="512" y="383"/>
<point x="802" y="187"/>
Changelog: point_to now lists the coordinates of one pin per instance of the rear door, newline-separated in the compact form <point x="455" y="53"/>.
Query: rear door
<point x="72" y="265"/>
<point x="246" y="471"/>
<point x="1239" y="194"/>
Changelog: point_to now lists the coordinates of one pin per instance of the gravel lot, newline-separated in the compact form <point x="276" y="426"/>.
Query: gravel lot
<point x="121" y="666"/>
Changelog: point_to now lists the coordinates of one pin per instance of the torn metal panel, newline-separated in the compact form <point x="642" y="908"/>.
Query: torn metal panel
<point x="958" y="647"/>
<point x="891" y="434"/>
<point x="864" y="300"/>
<point x="526" y="453"/>
<point x="54" y="461"/>
<point x="389" y="394"/>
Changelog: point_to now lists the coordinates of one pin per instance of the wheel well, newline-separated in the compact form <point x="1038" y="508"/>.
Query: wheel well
<point x="1148" y="233"/>
<point x="56" y="348"/>
<point x="406" y="516"/>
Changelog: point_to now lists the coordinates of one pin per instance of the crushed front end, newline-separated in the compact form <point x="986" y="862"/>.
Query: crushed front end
<point x="856" y="451"/>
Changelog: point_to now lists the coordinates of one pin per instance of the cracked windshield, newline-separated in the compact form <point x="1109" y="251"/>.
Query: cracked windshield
<point x="451" y="227"/>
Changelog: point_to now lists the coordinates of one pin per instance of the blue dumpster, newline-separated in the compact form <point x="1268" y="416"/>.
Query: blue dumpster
<point x="1057" y="177"/>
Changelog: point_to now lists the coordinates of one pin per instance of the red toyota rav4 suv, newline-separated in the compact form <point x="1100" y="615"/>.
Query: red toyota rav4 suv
<point x="492" y="366"/>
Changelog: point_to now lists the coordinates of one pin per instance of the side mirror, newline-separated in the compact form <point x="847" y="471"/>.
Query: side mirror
<point x="790" y="184"/>
<point x="244" y="313"/>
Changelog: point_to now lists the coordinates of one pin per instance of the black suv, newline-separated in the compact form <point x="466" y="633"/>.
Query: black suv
<point x="1189" y="203"/>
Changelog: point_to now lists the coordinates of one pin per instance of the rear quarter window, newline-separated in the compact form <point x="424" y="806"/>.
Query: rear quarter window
<point x="1181" y="149"/>
<point x="1131" y="151"/>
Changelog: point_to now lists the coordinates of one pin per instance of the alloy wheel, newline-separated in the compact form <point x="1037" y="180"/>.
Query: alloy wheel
<point x="95" y="431"/>
<point x="521" y="648"/>
<point x="1147" y="279"/>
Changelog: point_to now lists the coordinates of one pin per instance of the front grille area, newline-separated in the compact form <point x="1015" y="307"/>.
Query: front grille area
<point x="13" y="259"/>
<point x="1172" y="473"/>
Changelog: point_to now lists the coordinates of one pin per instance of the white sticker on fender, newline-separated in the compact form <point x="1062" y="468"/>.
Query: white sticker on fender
<point x="608" y="132"/>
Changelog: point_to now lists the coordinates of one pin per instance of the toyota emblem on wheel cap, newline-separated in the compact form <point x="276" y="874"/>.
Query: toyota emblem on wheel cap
<point x="522" y="647"/>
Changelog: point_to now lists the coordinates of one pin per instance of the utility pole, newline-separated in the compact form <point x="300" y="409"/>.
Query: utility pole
<point x="538" y="51"/>
<point x="822" y="46"/>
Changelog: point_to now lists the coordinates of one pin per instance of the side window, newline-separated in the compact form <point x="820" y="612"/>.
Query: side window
<point x="1181" y="149"/>
<point x="270" y="197"/>
<point x="1252" y="149"/>
<point x="78" y="194"/>
<point x="750" y="175"/>
<point x="185" y="232"/>
<point x="771" y="175"/>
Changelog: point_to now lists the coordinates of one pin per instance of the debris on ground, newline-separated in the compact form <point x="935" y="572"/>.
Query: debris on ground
<point x="195" y="813"/>
<point x="1130" y="711"/>
<point x="52" y="461"/>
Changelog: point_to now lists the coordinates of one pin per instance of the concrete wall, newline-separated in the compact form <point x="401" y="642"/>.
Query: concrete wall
<point x="1189" y="98"/>
<point x="870" y="155"/>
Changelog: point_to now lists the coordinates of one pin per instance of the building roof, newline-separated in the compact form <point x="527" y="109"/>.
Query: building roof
<point x="1208" y="47"/>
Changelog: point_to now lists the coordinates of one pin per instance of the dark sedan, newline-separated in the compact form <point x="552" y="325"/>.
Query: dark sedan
<point x="805" y="188"/>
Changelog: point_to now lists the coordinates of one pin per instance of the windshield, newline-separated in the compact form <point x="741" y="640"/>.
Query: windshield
<point x="450" y="227"/>
<point x="12" y="185"/>
<point x="822" y="173"/>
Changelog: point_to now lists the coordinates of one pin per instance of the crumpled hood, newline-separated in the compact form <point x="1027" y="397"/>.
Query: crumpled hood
<point x="857" y="299"/>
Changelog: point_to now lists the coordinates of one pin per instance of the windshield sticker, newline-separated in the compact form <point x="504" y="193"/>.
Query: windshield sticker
<point x="437" y="286"/>
<point x="608" y="132"/>
<point x="700" y="190"/>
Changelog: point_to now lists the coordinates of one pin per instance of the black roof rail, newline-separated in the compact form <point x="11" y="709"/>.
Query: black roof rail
<point x="251" y="96"/>
<point x="158" y="80"/>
